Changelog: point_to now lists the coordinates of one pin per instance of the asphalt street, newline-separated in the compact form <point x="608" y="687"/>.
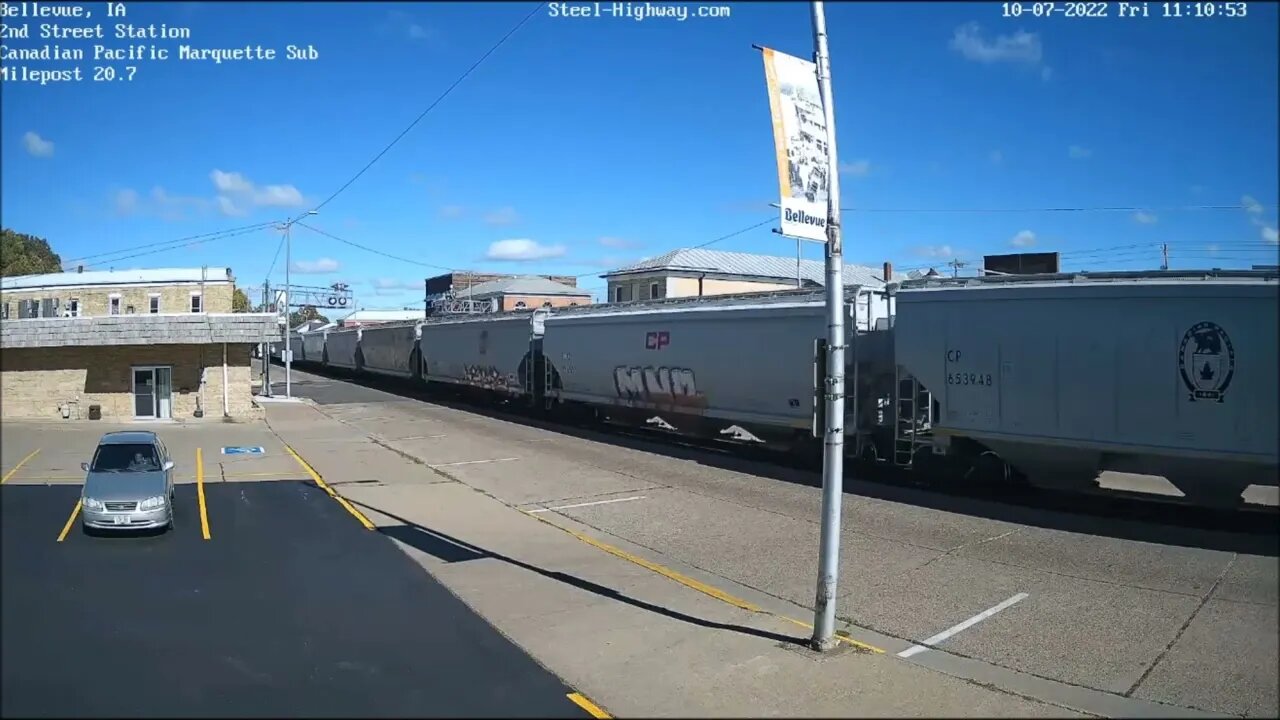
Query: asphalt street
<point x="1161" y="607"/>
<point x="292" y="609"/>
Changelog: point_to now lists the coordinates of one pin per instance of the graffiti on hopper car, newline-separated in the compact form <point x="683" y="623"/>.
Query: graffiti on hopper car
<point x="487" y="377"/>
<point x="673" y="387"/>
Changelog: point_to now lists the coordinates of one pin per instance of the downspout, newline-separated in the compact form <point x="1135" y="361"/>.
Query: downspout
<point x="226" y="408"/>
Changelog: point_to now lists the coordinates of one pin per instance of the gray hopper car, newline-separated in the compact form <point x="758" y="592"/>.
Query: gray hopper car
<point x="1067" y="377"/>
<point x="1049" y="379"/>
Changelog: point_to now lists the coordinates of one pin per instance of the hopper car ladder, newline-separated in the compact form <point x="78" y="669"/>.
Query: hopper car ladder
<point x="910" y="430"/>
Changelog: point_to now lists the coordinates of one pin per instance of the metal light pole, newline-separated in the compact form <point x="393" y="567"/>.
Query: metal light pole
<point x="288" y="298"/>
<point x="824" y="620"/>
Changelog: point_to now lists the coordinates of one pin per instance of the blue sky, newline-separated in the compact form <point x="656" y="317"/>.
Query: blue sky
<point x="585" y="143"/>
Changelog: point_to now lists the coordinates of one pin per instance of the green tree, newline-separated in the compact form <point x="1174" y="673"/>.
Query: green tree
<point x="22" y="254"/>
<point x="239" y="301"/>
<point x="307" y="313"/>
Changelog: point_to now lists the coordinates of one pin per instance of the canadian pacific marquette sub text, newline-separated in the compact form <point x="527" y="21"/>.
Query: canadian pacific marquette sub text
<point x="153" y="52"/>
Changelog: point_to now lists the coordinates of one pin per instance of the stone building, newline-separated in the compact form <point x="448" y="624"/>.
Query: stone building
<point x="157" y="344"/>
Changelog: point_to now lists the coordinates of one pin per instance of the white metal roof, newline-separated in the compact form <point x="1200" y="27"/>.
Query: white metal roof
<point x="382" y="316"/>
<point x="117" y="277"/>
<point x="521" y="286"/>
<point x="769" y="267"/>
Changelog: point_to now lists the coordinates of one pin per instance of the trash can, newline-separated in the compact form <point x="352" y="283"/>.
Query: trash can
<point x="95" y="412"/>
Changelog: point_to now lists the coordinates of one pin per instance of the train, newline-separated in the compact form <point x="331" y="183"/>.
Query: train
<point x="1047" y="381"/>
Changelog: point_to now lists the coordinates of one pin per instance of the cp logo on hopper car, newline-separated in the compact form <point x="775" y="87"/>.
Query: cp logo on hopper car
<point x="1206" y="361"/>
<point x="657" y="340"/>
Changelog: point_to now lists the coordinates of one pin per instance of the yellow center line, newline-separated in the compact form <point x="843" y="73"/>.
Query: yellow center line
<point x="593" y="709"/>
<point x="324" y="486"/>
<point x="17" y="467"/>
<point x="204" y="513"/>
<point x="70" y="521"/>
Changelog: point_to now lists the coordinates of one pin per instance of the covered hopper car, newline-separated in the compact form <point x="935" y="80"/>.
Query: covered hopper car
<point x="1050" y="380"/>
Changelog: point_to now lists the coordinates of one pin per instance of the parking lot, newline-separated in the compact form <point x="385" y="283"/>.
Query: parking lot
<point x="1185" y="616"/>
<point x="267" y="598"/>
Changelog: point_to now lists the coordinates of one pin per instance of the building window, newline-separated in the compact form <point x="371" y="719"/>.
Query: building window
<point x="154" y="301"/>
<point x="520" y="305"/>
<point x="4" y="311"/>
<point x="655" y="290"/>
<point x="197" y="303"/>
<point x="622" y="293"/>
<point x="73" y="307"/>
<point x="546" y="304"/>
<point x="114" y="305"/>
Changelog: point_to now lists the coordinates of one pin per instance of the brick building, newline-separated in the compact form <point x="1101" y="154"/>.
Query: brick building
<point x="520" y="293"/>
<point x="157" y="344"/>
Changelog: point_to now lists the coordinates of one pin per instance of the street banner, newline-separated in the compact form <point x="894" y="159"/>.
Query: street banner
<point x="800" y="142"/>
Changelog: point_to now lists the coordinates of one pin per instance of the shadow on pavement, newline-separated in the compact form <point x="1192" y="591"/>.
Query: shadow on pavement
<point x="1251" y="533"/>
<point x="450" y="550"/>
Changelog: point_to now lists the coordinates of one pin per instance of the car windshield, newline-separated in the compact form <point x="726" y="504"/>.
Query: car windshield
<point x="126" y="458"/>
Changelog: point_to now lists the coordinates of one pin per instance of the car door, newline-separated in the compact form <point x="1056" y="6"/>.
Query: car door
<point x="164" y="460"/>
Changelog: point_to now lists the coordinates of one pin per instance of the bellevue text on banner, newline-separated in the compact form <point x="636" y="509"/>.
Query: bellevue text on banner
<point x="800" y="141"/>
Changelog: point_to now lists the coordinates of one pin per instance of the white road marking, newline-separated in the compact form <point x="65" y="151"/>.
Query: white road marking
<point x="471" y="462"/>
<point x="917" y="649"/>
<point x="586" y="504"/>
<point x="419" y="437"/>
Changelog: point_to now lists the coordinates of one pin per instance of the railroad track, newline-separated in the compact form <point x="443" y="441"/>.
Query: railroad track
<point x="1258" y="522"/>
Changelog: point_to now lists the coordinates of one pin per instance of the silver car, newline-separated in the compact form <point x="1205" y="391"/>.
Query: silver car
<point x="129" y="484"/>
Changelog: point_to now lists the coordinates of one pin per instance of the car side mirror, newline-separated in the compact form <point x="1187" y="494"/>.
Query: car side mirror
<point x="84" y="466"/>
<point x="168" y="464"/>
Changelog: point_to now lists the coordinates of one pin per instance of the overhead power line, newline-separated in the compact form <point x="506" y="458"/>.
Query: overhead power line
<point x="179" y="242"/>
<point x="331" y="236"/>
<point x="194" y="240"/>
<point x="958" y="211"/>
<point x="735" y="233"/>
<point x="431" y="107"/>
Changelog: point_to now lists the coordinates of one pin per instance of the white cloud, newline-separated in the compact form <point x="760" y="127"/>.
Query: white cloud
<point x="996" y="157"/>
<point x="452" y="212"/>
<point x="227" y="207"/>
<point x="935" y="251"/>
<point x="1025" y="238"/>
<point x="1212" y="248"/>
<point x="37" y="145"/>
<point x="522" y="250"/>
<point x="857" y="168"/>
<point x="616" y="243"/>
<point x="399" y="21"/>
<point x="1270" y="235"/>
<point x="126" y="201"/>
<point x="322" y="266"/>
<point x="1251" y="206"/>
<point x="1078" y="153"/>
<point x="1020" y="47"/>
<point x="1145" y="218"/>
<point x="502" y="216"/>
<point x="1046" y="73"/>
<point x="237" y="194"/>
<point x="394" y="284"/>
<point x="175" y="207"/>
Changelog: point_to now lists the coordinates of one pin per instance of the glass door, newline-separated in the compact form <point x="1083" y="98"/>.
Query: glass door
<point x="144" y="393"/>
<point x="164" y="392"/>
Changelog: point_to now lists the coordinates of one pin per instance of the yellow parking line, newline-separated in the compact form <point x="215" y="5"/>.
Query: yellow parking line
<point x="589" y="706"/>
<point x="70" y="521"/>
<point x="17" y="467"/>
<point x="204" y="513"/>
<point x="324" y="486"/>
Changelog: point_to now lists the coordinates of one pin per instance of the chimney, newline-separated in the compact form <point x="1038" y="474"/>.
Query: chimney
<point x="888" y="272"/>
<point x="79" y="268"/>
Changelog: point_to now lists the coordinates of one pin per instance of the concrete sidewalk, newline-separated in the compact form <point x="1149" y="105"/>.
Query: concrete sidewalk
<point x="639" y="639"/>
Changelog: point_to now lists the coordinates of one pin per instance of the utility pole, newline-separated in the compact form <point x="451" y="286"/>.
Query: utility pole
<point x="824" y="620"/>
<point x="287" y="349"/>
<point x="266" y="345"/>
<point x="956" y="264"/>
<point x="1164" y="256"/>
